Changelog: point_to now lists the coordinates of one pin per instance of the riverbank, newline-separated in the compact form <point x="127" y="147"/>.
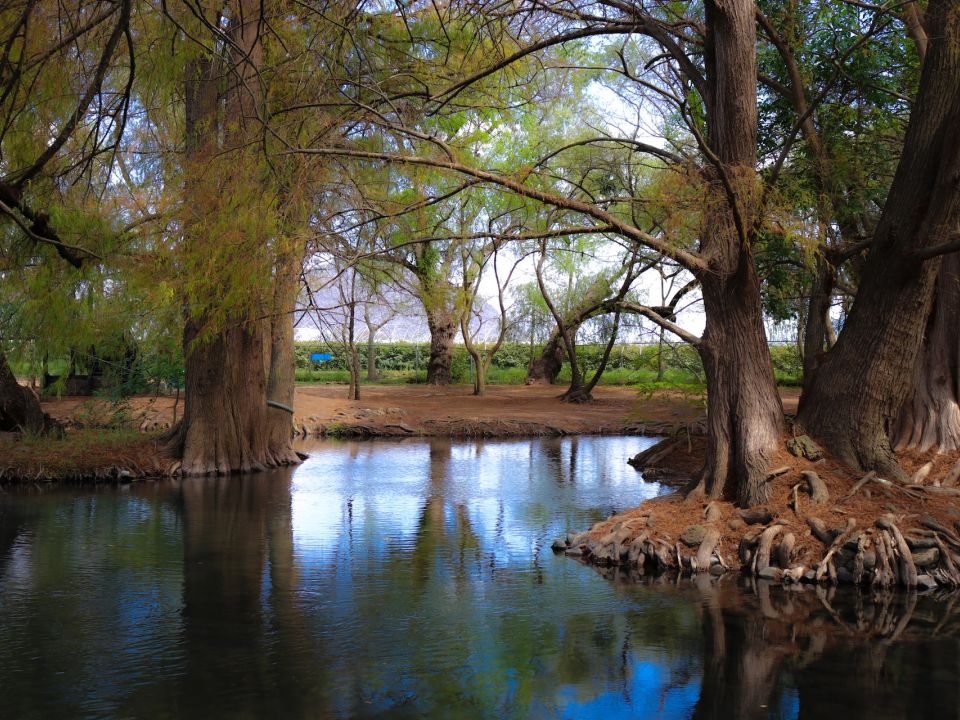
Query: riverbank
<point x="85" y="455"/>
<point x="423" y="410"/>
<point x="117" y="440"/>
<point x="822" y="523"/>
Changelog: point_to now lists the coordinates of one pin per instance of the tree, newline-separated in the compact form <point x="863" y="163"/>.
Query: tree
<point x="744" y="414"/>
<point x="64" y="102"/>
<point x="601" y="294"/>
<point x="930" y="416"/>
<point x="861" y="386"/>
<point x="474" y="262"/>
<point x="226" y="426"/>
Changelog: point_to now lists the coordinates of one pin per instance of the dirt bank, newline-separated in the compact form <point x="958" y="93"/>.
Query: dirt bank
<point x="824" y="523"/>
<point x="399" y="410"/>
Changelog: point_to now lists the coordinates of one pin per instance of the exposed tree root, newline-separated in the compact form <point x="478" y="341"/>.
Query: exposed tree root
<point x="825" y="527"/>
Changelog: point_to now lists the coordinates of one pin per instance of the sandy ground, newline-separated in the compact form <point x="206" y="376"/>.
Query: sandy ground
<point x="429" y="410"/>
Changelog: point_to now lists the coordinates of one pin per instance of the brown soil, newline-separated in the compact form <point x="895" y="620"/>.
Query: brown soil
<point x="100" y="446"/>
<point x="84" y="455"/>
<point x="910" y="506"/>
<point x="425" y="410"/>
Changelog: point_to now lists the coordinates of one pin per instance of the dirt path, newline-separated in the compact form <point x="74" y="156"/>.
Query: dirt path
<point x="428" y="410"/>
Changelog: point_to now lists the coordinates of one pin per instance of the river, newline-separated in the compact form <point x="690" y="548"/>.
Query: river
<point x="415" y="579"/>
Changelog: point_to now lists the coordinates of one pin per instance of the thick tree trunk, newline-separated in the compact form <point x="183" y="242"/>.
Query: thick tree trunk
<point x="744" y="414"/>
<point x="225" y="417"/>
<point x="861" y="387"/>
<point x="548" y="365"/>
<point x="20" y="407"/>
<point x="227" y="424"/>
<point x="443" y="329"/>
<point x="281" y="372"/>
<point x="930" y="417"/>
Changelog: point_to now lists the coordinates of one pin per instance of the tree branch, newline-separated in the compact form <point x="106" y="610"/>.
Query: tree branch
<point x="694" y="263"/>
<point x="657" y="318"/>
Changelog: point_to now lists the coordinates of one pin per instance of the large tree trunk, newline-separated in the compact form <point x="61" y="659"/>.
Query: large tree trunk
<point x="548" y="365"/>
<point x="744" y="414"/>
<point x="861" y="387"/>
<point x="225" y="417"/>
<point x="930" y="418"/>
<point x="20" y="407"/>
<point x="281" y="372"/>
<point x="226" y="424"/>
<point x="443" y="329"/>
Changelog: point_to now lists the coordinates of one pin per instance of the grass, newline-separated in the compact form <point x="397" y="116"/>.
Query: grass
<point x="642" y="378"/>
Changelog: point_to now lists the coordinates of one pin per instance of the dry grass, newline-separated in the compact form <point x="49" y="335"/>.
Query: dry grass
<point x="89" y="454"/>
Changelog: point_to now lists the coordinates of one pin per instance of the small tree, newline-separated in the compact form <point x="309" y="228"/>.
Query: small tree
<point x="474" y="263"/>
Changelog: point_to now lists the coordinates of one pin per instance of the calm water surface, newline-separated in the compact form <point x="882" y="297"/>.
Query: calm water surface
<point x="415" y="579"/>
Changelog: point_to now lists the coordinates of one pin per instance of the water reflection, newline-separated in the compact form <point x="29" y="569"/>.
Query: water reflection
<point x="415" y="579"/>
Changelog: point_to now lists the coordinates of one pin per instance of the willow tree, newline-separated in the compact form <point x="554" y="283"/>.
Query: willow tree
<point x="233" y="232"/>
<point x="65" y="75"/>
<point x="744" y="415"/>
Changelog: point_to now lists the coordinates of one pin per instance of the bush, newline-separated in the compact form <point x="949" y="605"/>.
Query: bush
<point x="787" y="364"/>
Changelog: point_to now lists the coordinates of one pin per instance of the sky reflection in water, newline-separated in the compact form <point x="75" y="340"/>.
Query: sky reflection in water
<point x="415" y="579"/>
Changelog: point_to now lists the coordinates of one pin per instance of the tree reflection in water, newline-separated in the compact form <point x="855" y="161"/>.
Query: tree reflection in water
<point x="817" y="652"/>
<point x="415" y="580"/>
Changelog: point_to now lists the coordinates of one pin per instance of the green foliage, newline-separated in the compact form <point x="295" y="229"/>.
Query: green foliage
<point x="787" y="364"/>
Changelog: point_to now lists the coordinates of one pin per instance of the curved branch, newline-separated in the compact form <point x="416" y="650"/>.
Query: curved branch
<point x="692" y="262"/>
<point x="657" y="318"/>
<point x="20" y="178"/>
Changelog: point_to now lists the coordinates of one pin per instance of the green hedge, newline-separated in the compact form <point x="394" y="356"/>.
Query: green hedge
<point x="628" y="364"/>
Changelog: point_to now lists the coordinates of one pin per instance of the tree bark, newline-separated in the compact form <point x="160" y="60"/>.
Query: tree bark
<point x="372" y="375"/>
<point x="20" y="407"/>
<point x="744" y="414"/>
<point x="584" y="392"/>
<point x="226" y="424"/>
<point x="225" y="417"/>
<point x="443" y="329"/>
<point x="861" y="387"/>
<point x="548" y="365"/>
<point x="353" y="357"/>
<point x="281" y="372"/>
<point x="818" y="319"/>
<point x="930" y="417"/>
